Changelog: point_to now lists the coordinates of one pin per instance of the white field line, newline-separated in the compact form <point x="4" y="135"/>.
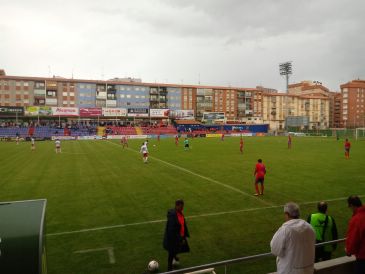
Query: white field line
<point x="204" y="177"/>
<point x="73" y="153"/>
<point x="188" y="217"/>
<point x="110" y="251"/>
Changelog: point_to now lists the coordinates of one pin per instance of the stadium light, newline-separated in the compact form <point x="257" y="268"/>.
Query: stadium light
<point x="286" y="70"/>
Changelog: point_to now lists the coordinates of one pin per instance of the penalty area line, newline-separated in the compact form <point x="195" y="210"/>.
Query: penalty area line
<point x="188" y="217"/>
<point x="204" y="177"/>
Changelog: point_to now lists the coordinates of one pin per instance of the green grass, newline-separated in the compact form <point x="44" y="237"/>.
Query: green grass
<point x="98" y="184"/>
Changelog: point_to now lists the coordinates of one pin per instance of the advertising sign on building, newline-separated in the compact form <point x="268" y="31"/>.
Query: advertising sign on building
<point x="138" y="112"/>
<point x="90" y="112"/>
<point x="159" y="113"/>
<point x="213" y="116"/>
<point x="31" y="111"/>
<point x="38" y="111"/>
<point x="65" y="111"/>
<point x="116" y="112"/>
<point x="182" y="114"/>
<point x="11" y="111"/>
<point x="45" y="111"/>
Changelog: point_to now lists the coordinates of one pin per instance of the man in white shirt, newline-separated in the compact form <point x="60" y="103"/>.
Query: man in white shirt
<point x="144" y="152"/>
<point x="32" y="144"/>
<point x="58" y="146"/>
<point x="293" y="244"/>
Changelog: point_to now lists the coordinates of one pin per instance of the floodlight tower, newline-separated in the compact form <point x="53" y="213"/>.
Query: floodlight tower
<point x="286" y="69"/>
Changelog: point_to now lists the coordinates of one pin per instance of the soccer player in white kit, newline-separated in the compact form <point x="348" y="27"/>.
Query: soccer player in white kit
<point x="32" y="144"/>
<point x="58" y="146"/>
<point x="144" y="152"/>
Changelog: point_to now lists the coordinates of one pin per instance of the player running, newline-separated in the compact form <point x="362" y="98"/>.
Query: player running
<point x="32" y="146"/>
<point x="186" y="144"/>
<point x="176" y="140"/>
<point x="58" y="146"/>
<point x="144" y="152"/>
<point x="158" y="137"/>
<point x="241" y="145"/>
<point x="17" y="139"/>
<point x="289" y="141"/>
<point x="259" y="173"/>
<point x="347" y="149"/>
<point x="222" y="137"/>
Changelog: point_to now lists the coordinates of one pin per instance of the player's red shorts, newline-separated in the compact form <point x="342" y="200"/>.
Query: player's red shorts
<point x="145" y="154"/>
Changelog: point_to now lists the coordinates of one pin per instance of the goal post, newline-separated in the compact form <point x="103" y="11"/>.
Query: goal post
<point x="360" y="133"/>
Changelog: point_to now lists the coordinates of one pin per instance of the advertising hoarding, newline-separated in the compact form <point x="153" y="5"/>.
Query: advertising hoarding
<point x="138" y="112"/>
<point x="65" y="111"/>
<point x="90" y="112"/>
<point x="115" y="112"/>
<point x="159" y="113"/>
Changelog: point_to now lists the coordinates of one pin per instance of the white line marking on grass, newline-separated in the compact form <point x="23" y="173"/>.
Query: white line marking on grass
<point x="203" y="177"/>
<point x="74" y="153"/>
<point x="110" y="251"/>
<point x="188" y="217"/>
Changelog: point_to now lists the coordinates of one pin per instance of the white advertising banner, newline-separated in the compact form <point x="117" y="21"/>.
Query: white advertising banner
<point x="116" y="112"/>
<point x="159" y="113"/>
<point x="65" y="111"/>
<point x="182" y="114"/>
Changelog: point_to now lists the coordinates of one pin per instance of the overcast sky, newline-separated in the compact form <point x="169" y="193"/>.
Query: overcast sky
<point x="220" y="42"/>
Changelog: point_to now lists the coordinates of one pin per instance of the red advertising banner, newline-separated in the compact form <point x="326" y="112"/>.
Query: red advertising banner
<point x="90" y="112"/>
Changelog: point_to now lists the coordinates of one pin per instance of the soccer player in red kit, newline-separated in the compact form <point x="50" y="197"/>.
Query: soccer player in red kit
<point x="289" y="141"/>
<point x="125" y="141"/>
<point x="241" y="145"/>
<point x="259" y="174"/>
<point x="347" y="149"/>
<point x="176" y="140"/>
<point x="222" y="137"/>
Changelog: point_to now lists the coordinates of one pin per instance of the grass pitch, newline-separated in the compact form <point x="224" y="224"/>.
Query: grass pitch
<point x="106" y="209"/>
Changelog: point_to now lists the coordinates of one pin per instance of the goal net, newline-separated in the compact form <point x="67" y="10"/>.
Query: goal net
<point x="360" y="133"/>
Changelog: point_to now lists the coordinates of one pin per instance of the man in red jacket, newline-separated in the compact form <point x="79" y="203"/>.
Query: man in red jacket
<point x="355" y="239"/>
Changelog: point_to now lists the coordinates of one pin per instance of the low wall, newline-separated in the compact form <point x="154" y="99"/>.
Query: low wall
<point x="342" y="265"/>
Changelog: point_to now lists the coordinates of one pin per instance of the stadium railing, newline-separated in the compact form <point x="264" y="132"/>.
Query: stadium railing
<point x="226" y="263"/>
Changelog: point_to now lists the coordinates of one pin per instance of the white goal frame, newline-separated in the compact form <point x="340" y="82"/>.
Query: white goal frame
<point x="357" y="132"/>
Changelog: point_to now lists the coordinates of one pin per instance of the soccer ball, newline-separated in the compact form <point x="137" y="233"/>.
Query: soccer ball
<point x="154" y="145"/>
<point x="152" y="266"/>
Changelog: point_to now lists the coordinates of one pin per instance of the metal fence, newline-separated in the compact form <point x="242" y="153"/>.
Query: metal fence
<point x="236" y="261"/>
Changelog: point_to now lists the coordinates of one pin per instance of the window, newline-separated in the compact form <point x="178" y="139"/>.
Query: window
<point x="64" y="93"/>
<point x="122" y="96"/>
<point x="51" y="93"/>
<point x="128" y="96"/>
<point x="72" y="93"/>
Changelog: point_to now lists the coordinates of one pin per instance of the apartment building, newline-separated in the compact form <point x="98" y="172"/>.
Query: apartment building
<point x="353" y="104"/>
<point x="238" y="104"/>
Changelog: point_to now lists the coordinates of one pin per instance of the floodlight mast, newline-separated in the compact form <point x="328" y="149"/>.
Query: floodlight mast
<point x="286" y="70"/>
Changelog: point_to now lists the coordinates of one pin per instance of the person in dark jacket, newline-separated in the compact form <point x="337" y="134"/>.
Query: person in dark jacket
<point x="176" y="232"/>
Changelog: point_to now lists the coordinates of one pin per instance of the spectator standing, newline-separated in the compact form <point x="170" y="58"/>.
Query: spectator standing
<point x="293" y="244"/>
<point x="325" y="229"/>
<point x="355" y="238"/>
<point x="176" y="232"/>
